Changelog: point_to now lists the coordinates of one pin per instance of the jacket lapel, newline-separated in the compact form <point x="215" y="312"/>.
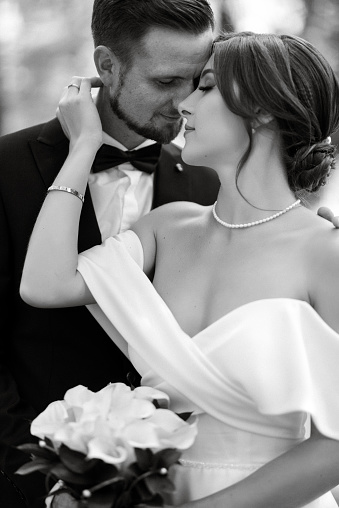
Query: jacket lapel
<point x="172" y="180"/>
<point x="50" y="150"/>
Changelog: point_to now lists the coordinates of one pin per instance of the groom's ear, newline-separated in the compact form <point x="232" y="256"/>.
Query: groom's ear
<point x="107" y="64"/>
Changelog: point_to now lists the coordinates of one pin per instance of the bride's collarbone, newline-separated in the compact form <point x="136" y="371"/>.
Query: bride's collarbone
<point x="203" y="278"/>
<point x="201" y="287"/>
<point x="210" y="264"/>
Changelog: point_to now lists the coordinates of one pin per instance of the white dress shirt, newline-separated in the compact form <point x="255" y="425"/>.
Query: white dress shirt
<point x="120" y="195"/>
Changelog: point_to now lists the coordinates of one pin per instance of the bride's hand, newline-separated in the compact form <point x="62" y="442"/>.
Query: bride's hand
<point x="78" y="114"/>
<point x="326" y="213"/>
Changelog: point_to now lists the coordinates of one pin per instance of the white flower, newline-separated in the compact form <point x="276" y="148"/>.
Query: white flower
<point x="50" y="420"/>
<point x="142" y="434"/>
<point x="164" y="429"/>
<point x="173" y="432"/>
<point x="111" y="423"/>
<point x="78" y="395"/>
<point x="75" y="435"/>
<point x="148" y="393"/>
<point x="108" y="446"/>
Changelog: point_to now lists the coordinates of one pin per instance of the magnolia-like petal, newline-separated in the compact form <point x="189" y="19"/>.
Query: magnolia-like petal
<point x="111" y="439"/>
<point x="95" y="408"/>
<point x="121" y="398"/>
<point x="137" y="409"/>
<point x="109" y="429"/>
<point x="76" y="435"/>
<point x="107" y="451"/>
<point x="118" y="402"/>
<point x="117" y="392"/>
<point x="113" y="397"/>
<point x="77" y="413"/>
<point x="181" y="439"/>
<point x="141" y="434"/>
<point x="168" y="420"/>
<point x="148" y="393"/>
<point x="86" y="404"/>
<point x="78" y="395"/>
<point x="50" y="420"/>
<point x="172" y="430"/>
<point x="116" y="388"/>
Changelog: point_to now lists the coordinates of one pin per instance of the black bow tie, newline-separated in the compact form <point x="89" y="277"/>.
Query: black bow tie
<point x="144" y="159"/>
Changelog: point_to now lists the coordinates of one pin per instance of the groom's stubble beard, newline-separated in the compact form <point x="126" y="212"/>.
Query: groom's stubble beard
<point x="149" y="130"/>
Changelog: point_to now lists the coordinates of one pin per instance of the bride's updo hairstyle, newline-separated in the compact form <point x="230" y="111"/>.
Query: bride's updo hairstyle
<point x="288" y="78"/>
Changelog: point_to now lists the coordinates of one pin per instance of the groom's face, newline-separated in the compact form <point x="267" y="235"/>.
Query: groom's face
<point x="146" y="95"/>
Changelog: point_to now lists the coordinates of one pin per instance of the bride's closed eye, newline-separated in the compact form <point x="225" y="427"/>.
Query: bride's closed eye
<point x="205" y="88"/>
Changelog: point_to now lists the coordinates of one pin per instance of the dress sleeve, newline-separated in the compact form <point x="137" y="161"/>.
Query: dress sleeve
<point x="128" y="240"/>
<point x="137" y="319"/>
<point x="132" y="244"/>
<point x="101" y="257"/>
<point x="289" y="363"/>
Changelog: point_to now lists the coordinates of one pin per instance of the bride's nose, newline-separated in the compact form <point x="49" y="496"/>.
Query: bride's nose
<point x="184" y="108"/>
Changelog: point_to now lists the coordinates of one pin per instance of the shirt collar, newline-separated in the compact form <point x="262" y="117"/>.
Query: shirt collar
<point x="108" y="140"/>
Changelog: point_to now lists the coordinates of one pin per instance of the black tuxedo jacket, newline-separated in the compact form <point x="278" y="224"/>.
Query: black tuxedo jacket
<point x="43" y="352"/>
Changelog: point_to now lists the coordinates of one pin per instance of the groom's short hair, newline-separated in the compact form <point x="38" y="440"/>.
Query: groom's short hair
<point x="121" y="24"/>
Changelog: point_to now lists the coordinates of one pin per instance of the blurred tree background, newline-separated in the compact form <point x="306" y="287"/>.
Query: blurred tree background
<point x="44" y="43"/>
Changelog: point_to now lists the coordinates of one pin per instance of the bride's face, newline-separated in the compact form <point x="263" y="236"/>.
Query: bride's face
<point x="213" y="134"/>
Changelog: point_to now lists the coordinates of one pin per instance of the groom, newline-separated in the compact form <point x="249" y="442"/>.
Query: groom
<point x="148" y="54"/>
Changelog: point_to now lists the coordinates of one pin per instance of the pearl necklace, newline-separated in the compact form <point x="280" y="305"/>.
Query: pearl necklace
<point x="256" y="222"/>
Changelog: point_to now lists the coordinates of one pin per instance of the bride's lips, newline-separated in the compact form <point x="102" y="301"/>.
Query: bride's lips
<point x="188" y="129"/>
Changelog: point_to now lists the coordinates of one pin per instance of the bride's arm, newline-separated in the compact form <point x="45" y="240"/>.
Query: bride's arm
<point x="50" y="278"/>
<point x="290" y="481"/>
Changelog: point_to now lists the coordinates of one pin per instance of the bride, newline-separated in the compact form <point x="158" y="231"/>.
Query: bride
<point x="235" y="311"/>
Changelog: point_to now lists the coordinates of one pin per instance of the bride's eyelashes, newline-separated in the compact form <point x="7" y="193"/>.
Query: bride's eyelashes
<point x="205" y="88"/>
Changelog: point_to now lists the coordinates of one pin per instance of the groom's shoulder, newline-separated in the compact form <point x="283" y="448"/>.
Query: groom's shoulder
<point x="49" y="132"/>
<point x="21" y="135"/>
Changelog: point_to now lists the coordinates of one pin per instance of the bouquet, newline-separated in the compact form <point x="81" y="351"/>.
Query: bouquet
<point x="109" y="449"/>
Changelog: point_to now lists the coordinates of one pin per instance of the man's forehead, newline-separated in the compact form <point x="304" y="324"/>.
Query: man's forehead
<point x="168" y="70"/>
<point x="174" y="48"/>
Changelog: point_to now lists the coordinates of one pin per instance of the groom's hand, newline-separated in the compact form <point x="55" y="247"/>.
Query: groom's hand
<point x="327" y="214"/>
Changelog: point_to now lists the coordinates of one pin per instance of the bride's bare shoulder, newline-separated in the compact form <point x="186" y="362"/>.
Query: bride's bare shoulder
<point x="171" y="217"/>
<point x="181" y="209"/>
<point x="176" y="214"/>
<point x="320" y="259"/>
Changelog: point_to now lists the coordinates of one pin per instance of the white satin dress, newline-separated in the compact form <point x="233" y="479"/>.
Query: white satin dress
<point x="254" y="377"/>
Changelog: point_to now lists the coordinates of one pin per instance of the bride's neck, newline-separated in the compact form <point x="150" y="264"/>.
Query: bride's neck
<point x="260" y="189"/>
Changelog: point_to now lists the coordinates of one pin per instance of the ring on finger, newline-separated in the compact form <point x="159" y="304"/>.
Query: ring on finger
<point x="73" y="84"/>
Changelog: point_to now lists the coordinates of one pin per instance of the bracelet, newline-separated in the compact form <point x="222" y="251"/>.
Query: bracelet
<point x="66" y="189"/>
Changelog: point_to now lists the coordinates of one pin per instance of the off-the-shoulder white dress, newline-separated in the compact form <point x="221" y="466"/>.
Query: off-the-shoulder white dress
<point x="254" y="377"/>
